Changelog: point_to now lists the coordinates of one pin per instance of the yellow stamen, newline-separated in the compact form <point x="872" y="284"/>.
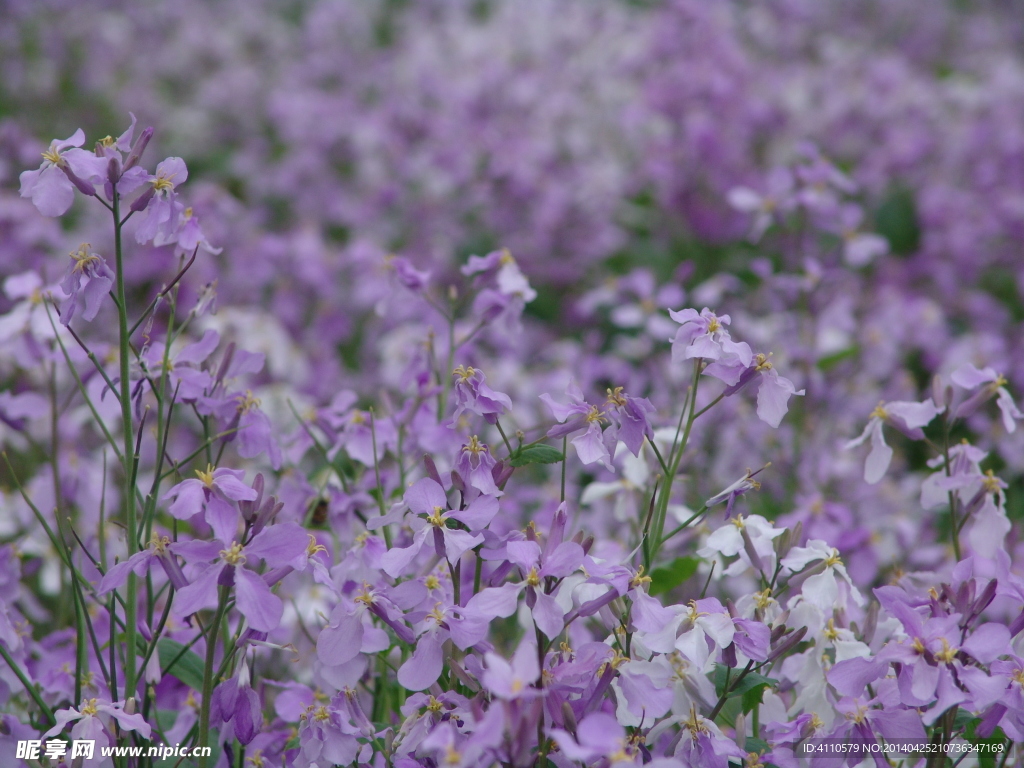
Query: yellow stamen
<point x="433" y="705"/>
<point x="615" y="397"/>
<point x="763" y="599"/>
<point x="435" y="517"/>
<point x="247" y="402"/>
<point x="207" y="476"/>
<point x="694" y="724"/>
<point x="639" y="579"/>
<point x="53" y="156"/>
<point x="533" y="578"/>
<point x="84" y="257"/>
<point x="947" y="654"/>
<point x="233" y="556"/>
<point x="465" y="373"/>
<point x="314" y="547"/>
<point x="831" y="633"/>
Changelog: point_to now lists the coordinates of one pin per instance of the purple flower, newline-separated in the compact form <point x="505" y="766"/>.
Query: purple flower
<point x="413" y="279"/>
<point x="777" y="199"/>
<point x="94" y="721"/>
<point x="577" y="415"/>
<point x="598" y="735"/>
<point x="426" y="497"/>
<point x="237" y="705"/>
<point x="183" y="372"/>
<point x="907" y="417"/>
<point x="160" y="549"/>
<point x="704" y="336"/>
<point x="513" y="681"/>
<point x="90" y="267"/>
<point x="990" y="383"/>
<point x="164" y="213"/>
<point x="536" y="566"/>
<point x="280" y="545"/>
<point x="52" y="186"/>
<point x="212" y="491"/>
<point x="475" y="465"/>
<point x="734" y="491"/>
<point x="326" y="737"/>
<point x="632" y="420"/>
<point x="867" y="723"/>
<point x="829" y="585"/>
<point x="472" y="394"/>
<point x="859" y="248"/>
<point x="773" y="393"/>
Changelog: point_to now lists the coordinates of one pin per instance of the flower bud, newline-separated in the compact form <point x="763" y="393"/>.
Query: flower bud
<point x="787" y="644"/>
<point x="431" y="468"/>
<point x="83" y="186"/>
<point x="568" y="718"/>
<point x="988" y="594"/>
<point x="140" y="146"/>
<point x="113" y="171"/>
<point x="140" y="203"/>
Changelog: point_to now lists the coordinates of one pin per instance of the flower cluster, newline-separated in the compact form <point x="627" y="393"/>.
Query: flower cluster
<point x="309" y="499"/>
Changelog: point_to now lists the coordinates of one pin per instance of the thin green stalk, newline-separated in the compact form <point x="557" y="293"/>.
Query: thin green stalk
<point x="211" y="654"/>
<point x="501" y="431"/>
<point x="683" y="526"/>
<point x="954" y="528"/>
<point x="376" y="472"/>
<point x="28" y="686"/>
<point x="675" y="457"/>
<point x="128" y="453"/>
<point x="565" y="458"/>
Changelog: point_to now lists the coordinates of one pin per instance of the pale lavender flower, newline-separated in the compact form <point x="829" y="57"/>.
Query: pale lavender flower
<point x="703" y="336"/>
<point x="52" y="186"/>
<point x="280" y="545"/>
<point x="426" y="497"/>
<point x="164" y="213"/>
<point x="475" y="465"/>
<point x="907" y="417"/>
<point x="473" y="395"/>
<point x="577" y="415"/>
<point x="87" y="266"/>
<point x="988" y="383"/>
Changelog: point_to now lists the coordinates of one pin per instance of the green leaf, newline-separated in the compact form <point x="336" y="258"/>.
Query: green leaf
<point x="536" y="454"/>
<point x="987" y="755"/>
<point x="750" y="681"/>
<point x="188" y="668"/>
<point x="752" y="698"/>
<point x="670" y="576"/>
<point x="829" y="362"/>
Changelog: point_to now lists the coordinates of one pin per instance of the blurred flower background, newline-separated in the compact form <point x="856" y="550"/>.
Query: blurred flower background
<point x="844" y="178"/>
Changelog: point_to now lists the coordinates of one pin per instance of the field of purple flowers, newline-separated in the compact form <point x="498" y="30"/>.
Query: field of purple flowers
<point x="555" y="383"/>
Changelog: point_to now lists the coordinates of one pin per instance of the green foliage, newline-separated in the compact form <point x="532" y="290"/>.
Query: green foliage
<point x="188" y="667"/>
<point x="536" y="454"/>
<point x="670" y="576"/>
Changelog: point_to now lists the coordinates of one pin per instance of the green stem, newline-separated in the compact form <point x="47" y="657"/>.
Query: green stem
<point x="128" y="454"/>
<point x="28" y="686"/>
<point x="211" y="654"/>
<point x="675" y="457"/>
<point x="955" y="528"/>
